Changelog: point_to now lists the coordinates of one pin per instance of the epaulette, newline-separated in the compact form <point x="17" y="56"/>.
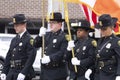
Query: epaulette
<point x="94" y="43"/>
<point x="67" y="37"/>
<point x="31" y="41"/>
<point x="119" y="42"/>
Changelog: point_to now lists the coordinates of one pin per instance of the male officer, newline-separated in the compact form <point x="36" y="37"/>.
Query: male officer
<point x="108" y="51"/>
<point x="21" y="54"/>
<point x="53" y="66"/>
<point x="84" y="48"/>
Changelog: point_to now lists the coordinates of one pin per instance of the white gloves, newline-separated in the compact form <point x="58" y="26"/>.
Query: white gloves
<point x="42" y="31"/>
<point x="21" y="76"/>
<point x="75" y="61"/>
<point x="70" y="45"/>
<point x="117" y="78"/>
<point x="87" y="74"/>
<point x="3" y="76"/>
<point x="45" y="59"/>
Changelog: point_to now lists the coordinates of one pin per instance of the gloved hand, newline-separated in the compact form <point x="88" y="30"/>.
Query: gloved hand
<point x="87" y="74"/>
<point x="75" y="61"/>
<point x="45" y="60"/>
<point x="42" y="31"/>
<point x="3" y="76"/>
<point x="70" y="45"/>
<point x="117" y="78"/>
<point x="21" y="76"/>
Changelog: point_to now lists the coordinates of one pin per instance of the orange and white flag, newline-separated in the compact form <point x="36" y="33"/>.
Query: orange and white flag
<point x="99" y="7"/>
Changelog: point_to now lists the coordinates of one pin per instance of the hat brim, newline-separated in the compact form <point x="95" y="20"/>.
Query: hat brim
<point x="86" y="28"/>
<point x="99" y="26"/>
<point x="21" y="22"/>
<point x="59" y="20"/>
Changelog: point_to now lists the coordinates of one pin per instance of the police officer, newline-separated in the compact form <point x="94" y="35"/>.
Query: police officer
<point x="108" y="51"/>
<point x="84" y="48"/>
<point x="21" y="54"/>
<point x="53" y="67"/>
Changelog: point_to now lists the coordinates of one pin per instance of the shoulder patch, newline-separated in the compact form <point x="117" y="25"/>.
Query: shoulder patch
<point x="31" y="41"/>
<point x="67" y="37"/>
<point x="94" y="43"/>
<point x="119" y="42"/>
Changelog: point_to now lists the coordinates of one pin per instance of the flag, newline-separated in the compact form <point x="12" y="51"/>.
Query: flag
<point x="94" y="8"/>
<point x="89" y="14"/>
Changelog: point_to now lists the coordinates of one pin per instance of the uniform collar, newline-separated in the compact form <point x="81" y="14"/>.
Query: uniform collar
<point x="21" y="34"/>
<point x="83" y="39"/>
<point x="109" y="37"/>
<point x="57" y="32"/>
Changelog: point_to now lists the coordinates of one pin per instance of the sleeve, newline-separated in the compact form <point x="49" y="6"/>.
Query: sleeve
<point x="117" y="50"/>
<point x="31" y="53"/>
<point x="37" y="42"/>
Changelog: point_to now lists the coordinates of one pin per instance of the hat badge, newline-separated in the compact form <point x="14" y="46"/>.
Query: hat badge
<point x="14" y="21"/>
<point x="100" y="23"/>
<point x="79" y="23"/>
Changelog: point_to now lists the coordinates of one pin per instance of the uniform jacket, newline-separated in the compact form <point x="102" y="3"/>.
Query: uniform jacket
<point x="21" y="49"/>
<point x="108" y="51"/>
<point x="84" y="51"/>
<point x="55" y="46"/>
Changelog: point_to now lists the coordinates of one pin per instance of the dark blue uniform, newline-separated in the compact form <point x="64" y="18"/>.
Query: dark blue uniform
<point x="55" y="46"/>
<point x="108" y="58"/>
<point x="84" y="51"/>
<point x="20" y="58"/>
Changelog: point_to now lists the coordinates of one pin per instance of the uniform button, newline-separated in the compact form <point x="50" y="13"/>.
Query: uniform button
<point x="14" y="49"/>
<point x="106" y="50"/>
<point x="53" y="45"/>
<point x="100" y="67"/>
<point x="110" y="68"/>
<point x="46" y="47"/>
<point x="13" y="55"/>
<point x="98" y="56"/>
<point x="83" y="53"/>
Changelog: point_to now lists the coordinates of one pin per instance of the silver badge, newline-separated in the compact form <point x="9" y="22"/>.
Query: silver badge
<point x="108" y="45"/>
<point x="54" y="40"/>
<point x="20" y="44"/>
<point x="84" y="48"/>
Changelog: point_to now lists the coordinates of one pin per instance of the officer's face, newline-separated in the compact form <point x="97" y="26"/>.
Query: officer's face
<point x="81" y="33"/>
<point x="55" y="26"/>
<point x="106" y="31"/>
<point x="19" y="28"/>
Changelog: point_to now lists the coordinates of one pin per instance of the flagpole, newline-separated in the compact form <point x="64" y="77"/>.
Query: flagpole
<point x="43" y="25"/>
<point x="68" y="27"/>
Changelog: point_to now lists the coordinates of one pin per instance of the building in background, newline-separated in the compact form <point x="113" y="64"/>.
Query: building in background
<point x="33" y="11"/>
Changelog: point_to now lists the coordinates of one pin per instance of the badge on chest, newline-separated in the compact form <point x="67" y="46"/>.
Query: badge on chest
<point x="20" y="44"/>
<point x="108" y="45"/>
<point x="54" y="40"/>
